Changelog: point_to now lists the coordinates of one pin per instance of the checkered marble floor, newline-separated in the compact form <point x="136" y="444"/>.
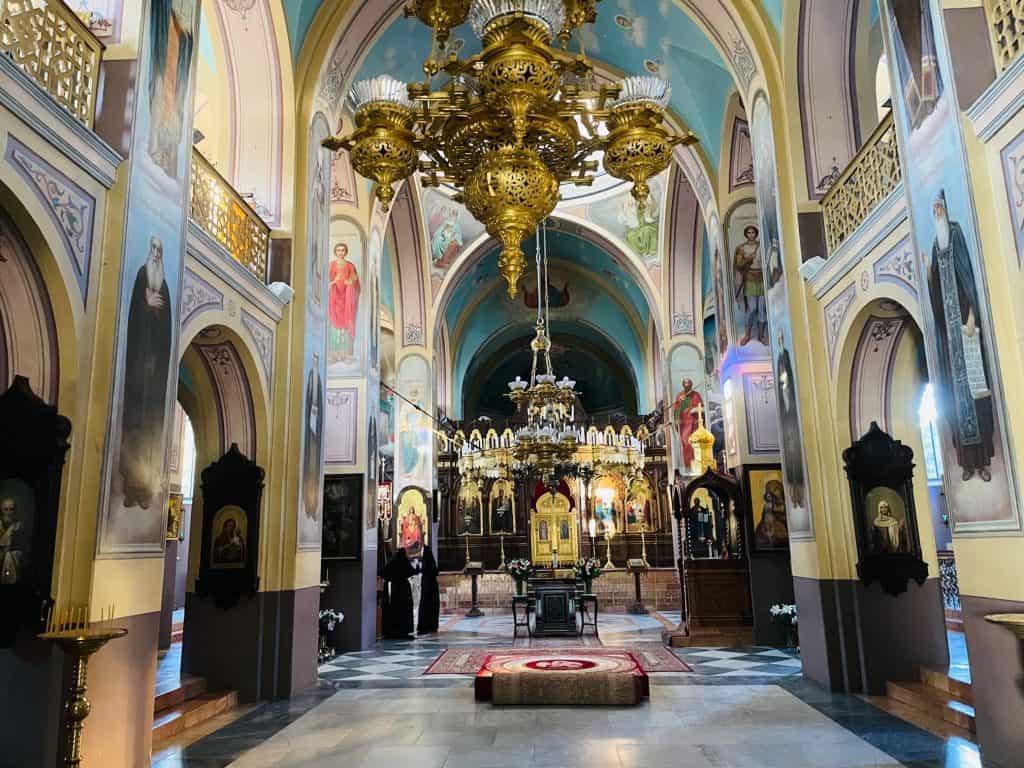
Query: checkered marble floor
<point x="750" y="661"/>
<point x="401" y="664"/>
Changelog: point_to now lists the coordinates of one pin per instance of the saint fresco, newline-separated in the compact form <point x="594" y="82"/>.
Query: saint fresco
<point x="685" y="417"/>
<point x="133" y="515"/>
<point x="343" y="301"/>
<point x="960" y="340"/>
<point x="311" y="458"/>
<point x="776" y="298"/>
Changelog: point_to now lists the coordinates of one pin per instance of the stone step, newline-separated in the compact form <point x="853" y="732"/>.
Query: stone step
<point x="171" y="722"/>
<point x="189" y="687"/>
<point x="933" y="702"/>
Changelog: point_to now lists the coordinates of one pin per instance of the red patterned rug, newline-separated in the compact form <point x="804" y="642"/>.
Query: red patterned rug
<point x="577" y="677"/>
<point x="468" y="661"/>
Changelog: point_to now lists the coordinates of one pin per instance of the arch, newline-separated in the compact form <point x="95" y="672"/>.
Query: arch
<point x="685" y="238"/>
<point x="404" y="229"/>
<point x="576" y="227"/>
<point x="580" y="344"/>
<point x="39" y="319"/>
<point x="247" y="41"/>
<point x="220" y="390"/>
<point x="28" y="334"/>
<point x="227" y="362"/>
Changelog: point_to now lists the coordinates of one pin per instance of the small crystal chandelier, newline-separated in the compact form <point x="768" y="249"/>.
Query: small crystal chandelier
<point x="547" y="442"/>
<point x="511" y="123"/>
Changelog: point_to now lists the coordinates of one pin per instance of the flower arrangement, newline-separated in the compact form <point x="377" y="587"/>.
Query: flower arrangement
<point x="587" y="569"/>
<point x="786" y="615"/>
<point x="329" y="619"/>
<point x="520" y="569"/>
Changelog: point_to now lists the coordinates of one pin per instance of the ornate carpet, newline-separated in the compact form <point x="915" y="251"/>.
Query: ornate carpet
<point x="468" y="661"/>
<point x="582" y="676"/>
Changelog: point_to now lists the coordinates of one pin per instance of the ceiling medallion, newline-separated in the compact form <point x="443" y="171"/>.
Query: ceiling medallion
<point x="509" y="125"/>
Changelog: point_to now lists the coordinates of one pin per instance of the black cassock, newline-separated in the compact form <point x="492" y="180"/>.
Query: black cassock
<point x="430" y="595"/>
<point x="398" y="623"/>
<point x="147" y="363"/>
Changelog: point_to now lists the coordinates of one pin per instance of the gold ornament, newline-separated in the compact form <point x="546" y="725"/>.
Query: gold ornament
<point x="511" y="123"/>
<point x="510" y="192"/>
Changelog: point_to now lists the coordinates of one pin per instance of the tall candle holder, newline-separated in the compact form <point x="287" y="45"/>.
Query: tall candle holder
<point x="70" y="630"/>
<point x="609" y="532"/>
<point x="501" y="537"/>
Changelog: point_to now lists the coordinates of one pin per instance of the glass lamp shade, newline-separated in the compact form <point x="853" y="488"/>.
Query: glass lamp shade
<point x="644" y="88"/>
<point x="484" y="13"/>
<point x="383" y="88"/>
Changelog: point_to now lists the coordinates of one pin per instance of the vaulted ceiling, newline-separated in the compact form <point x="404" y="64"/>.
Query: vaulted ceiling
<point x="629" y="37"/>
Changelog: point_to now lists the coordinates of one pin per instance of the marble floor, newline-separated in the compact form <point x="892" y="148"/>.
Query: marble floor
<point x="739" y="708"/>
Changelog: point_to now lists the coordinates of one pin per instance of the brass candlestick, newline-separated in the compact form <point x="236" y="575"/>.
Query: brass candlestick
<point x="503" y="563"/>
<point x="70" y="630"/>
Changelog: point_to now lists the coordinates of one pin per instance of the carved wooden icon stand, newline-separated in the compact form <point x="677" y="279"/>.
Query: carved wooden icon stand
<point x="881" y="472"/>
<point x="724" y="488"/>
<point x="232" y="489"/>
<point x="35" y="440"/>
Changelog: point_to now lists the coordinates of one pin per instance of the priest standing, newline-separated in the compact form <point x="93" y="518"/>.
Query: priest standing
<point x="430" y="595"/>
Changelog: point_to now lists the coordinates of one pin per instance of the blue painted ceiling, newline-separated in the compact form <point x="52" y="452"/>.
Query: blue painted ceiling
<point x="659" y="39"/>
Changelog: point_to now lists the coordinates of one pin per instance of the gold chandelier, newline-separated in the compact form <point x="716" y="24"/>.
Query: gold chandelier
<point x="549" y="443"/>
<point x="511" y="123"/>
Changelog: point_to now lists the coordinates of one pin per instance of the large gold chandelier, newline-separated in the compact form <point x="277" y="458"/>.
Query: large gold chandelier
<point x="511" y="123"/>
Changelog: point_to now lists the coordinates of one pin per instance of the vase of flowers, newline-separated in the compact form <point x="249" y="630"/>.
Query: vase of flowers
<point x="329" y="619"/>
<point x="785" y="614"/>
<point x="587" y="569"/>
<point x="520" y="569"/>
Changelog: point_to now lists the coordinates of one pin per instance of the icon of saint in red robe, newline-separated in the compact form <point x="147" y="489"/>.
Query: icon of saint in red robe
<point x="684" y="414"/>
<point x="344" y="304"/>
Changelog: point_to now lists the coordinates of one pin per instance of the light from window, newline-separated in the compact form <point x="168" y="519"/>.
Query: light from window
<point x="928" y="417"/>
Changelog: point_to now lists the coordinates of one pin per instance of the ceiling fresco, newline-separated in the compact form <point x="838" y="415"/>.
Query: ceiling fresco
<point x="588" y="288"/>
<point x="483" y="276"/>
<point x="631" y="36"/>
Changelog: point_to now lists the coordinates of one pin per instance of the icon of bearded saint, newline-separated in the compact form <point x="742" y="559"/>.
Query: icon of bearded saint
<point x="147" y="362"/>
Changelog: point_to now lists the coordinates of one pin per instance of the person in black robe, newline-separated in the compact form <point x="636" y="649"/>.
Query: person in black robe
<point x="146" y="366"/>
<point x="430" y="595"/>
<point x="398" y="620"/>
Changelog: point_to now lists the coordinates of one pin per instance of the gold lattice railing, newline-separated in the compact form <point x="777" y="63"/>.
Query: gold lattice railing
<point x="221" y="212"/>
<point x="1006" y="25"/>
<point x="54" y="47"/>
<point x="873" y="173"/>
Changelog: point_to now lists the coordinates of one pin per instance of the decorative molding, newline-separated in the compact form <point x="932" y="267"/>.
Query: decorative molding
<point x="344" y="185"/>
<point x="72" y="209"/>
<point x="872" y="373"/>
<point x="897" y="266"/>
<point x="234" y="396"/>
<point x="883" y="221"/>
<point x="197" y="296"/>
<point x="212" y="255"/>
<point x="682" y="324"/>
<point x="263" y="337"/>
<point x="1003" y="99"/>
<point x="835" y="313"/>
<point x="743" y="63"/>
<point x="413" y="335"/>
<point x="1012" y="158"/>
<point x="740" y="146"/>
<point x="55" y="125"/>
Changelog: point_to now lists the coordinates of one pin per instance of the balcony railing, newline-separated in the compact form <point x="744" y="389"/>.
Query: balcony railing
<point x="1006" y="26"/>
<point x="220" y="211"/>
<point x="54" y="47"/>
<point x="872" y="174"/>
